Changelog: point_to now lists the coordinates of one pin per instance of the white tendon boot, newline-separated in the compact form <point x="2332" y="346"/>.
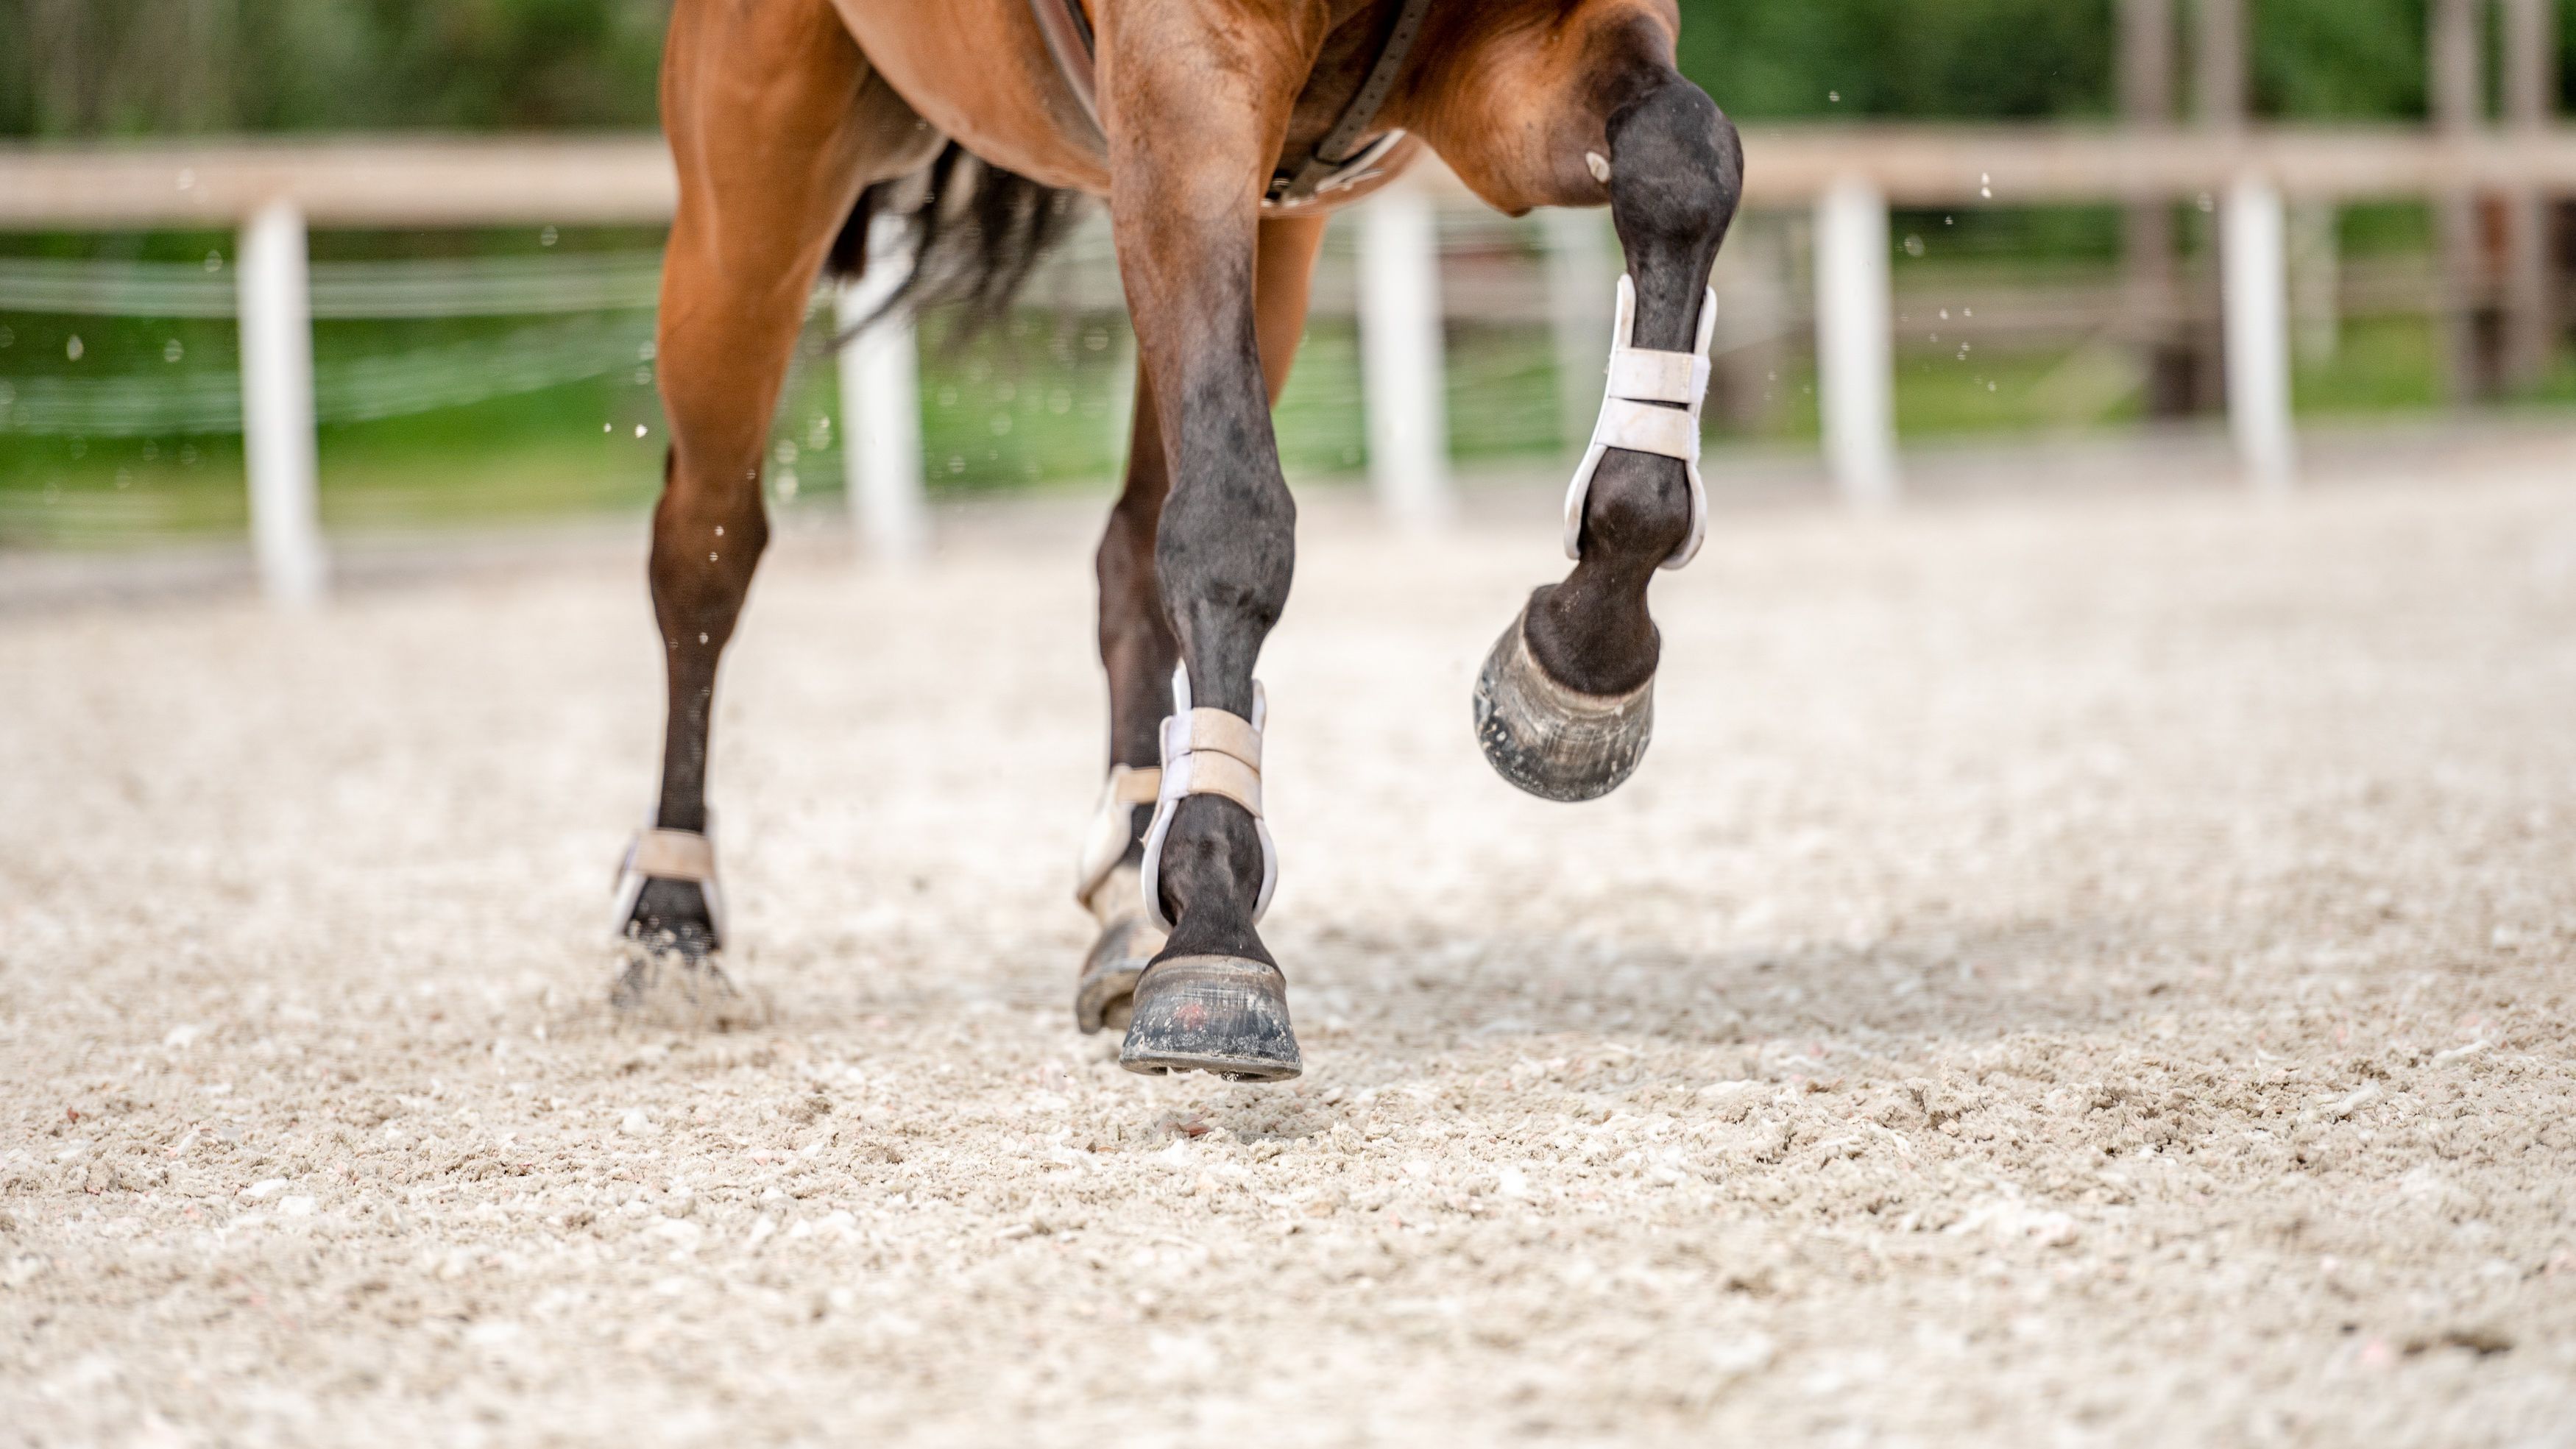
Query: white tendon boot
<point x="1556" y="742"/>
<point x="1210" y="1013"/>
<point x="676" y="978"/>
<point x="1107" y="885"/>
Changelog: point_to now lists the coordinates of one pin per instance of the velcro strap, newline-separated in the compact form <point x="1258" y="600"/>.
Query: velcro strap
<point x="1646" y="428"/>
<point x="1211" y="773"/>
<point x="675" y="855"/>
<point x="1134" y="785"/>
<point x="1665" y="377"/>
<point x="1218" y="730"/>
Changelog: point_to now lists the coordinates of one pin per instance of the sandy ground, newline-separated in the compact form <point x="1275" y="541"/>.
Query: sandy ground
<point x="2069" y="972"/>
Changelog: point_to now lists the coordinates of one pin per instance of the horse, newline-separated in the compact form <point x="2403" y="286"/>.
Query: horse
<point x="1222" y="134"/>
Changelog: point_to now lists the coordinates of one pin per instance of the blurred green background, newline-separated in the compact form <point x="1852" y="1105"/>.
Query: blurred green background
<point x="1044" y="404"/>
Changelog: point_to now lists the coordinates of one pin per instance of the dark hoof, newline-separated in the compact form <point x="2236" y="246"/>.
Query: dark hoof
<point x="1552" y="741"/>
<point x="671" y="968"/>
<point x="1212" y="1014"/>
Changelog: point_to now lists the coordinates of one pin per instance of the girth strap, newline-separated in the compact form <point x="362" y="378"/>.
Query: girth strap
<point x="1337" y="161"/>
<point x="1076" y="51"/>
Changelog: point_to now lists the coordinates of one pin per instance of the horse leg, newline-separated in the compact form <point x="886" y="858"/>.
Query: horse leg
<point x="1138" y="649"/>
<point x="776" y="122"/>
<point x="1197" y="101"/>
<point x="1564" y="706"/>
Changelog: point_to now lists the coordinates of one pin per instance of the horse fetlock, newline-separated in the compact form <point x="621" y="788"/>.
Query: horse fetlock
<point x="1638" y="510"/>
<point x="1211" y="874"/>
<point x="1549" y="738"/>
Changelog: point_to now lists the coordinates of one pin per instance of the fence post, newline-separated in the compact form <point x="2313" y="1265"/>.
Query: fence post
<point x="2456" y="64"/>
<point x="1401" y="366"/>
<point x="881" y="408"/>
<point x="2531" y="311"/>
<point x="1855" y="343"/>
<point x="2251" y="236"/>
<point x="277" y="406"/>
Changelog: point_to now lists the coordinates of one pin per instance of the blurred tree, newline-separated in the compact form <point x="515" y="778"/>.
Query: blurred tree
<point x="1987" y="58"/>
<point x="2340" y="59"/>
<point x="115" y="67"/>
<point x="2322" y="59"/>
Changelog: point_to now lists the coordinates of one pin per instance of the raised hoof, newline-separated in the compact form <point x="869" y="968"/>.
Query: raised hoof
<point x="1554" y="742"/>
<point x="1214" y="1014"/>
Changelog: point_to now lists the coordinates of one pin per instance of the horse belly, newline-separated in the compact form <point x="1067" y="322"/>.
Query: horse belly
<point x="979" y="71"/>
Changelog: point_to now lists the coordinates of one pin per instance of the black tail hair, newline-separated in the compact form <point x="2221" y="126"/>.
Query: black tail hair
<point x="974" y="234"/>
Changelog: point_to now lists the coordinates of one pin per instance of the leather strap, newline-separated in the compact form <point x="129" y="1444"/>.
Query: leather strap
<point x="1338" y="160"/>
<point x="1664" y="377"/>
<point x="1205" y="730"/>
<point x="1076" y="51"/>
<point x="1642" y="427"/>
<point x="674" y="855"/>
<point x="1133" y="785"/>
<point x="1209" y="773"/>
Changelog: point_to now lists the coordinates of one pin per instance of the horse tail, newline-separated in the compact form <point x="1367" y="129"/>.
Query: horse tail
<point x="973" y="233"/>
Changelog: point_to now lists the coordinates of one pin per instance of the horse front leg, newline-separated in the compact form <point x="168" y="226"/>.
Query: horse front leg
<point x="1564" y="704"/>
<point x="1196" y="100"/>
<point x="1139" y="650"/>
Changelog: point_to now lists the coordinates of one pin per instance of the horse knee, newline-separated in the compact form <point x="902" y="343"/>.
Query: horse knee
<point x="1224" y="555"/>
<point x="1677" y="168"/>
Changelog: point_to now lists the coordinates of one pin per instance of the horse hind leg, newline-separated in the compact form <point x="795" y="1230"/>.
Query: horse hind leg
<point x="1564" y="704"/>
<point x="777" y="123"/>
<point x="1138" y="648"/>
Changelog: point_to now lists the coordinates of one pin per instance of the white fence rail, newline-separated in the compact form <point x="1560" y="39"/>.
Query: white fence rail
<point x="1850" y="176"/>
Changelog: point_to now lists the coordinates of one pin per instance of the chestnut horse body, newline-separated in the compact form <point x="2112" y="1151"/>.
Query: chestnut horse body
<point x="786" y="115"/>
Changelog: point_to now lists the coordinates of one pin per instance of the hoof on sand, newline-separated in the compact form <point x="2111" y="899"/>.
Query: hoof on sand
<point x="677" y="982"/>
<point x="1554" y="742"/>
<point x="1105" y="994"/>
<point x="1214" y="1014"/>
